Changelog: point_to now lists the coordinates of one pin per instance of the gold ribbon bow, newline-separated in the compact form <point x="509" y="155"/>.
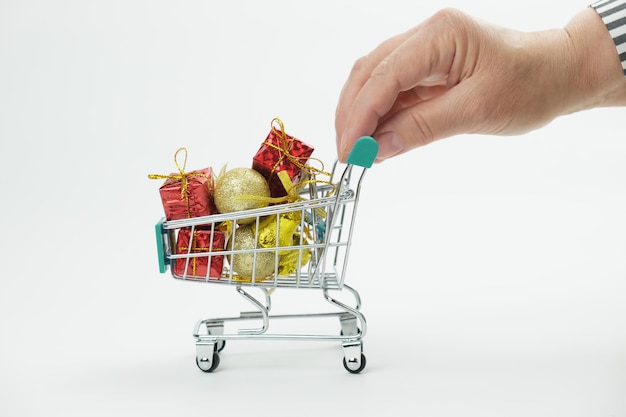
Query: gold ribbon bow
<point x="183" y="177"/>
<point x="284" y="149"/>
<point x="292" y="191"/>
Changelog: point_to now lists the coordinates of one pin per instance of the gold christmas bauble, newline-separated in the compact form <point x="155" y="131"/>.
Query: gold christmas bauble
<point x="244" y="264"/>
<point x="241" y="189"/>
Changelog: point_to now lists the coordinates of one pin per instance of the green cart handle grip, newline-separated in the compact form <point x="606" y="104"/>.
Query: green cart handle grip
<point x="363" y="152"/>
<point x="160" y="243"/>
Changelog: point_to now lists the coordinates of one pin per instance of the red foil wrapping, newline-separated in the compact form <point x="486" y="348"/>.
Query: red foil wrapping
<point x="196" y="201"/>
<point x="281" y="152"/>
<point x="197" y="266"/>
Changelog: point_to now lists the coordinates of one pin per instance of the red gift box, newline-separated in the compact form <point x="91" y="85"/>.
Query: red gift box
<point x="187" y="194"/>
<point x="281" y="152"/>
<point x="194" y="267"/>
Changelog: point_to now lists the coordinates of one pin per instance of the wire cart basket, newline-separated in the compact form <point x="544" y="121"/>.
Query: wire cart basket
<point x="320" y="229"/>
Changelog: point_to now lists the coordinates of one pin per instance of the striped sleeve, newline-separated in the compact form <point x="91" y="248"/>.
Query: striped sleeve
<point x="613" y="14"/>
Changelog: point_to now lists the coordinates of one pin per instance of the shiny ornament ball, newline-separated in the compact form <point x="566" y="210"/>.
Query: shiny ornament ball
<point x="241" y="189"/>
<point x="244" y="263"/>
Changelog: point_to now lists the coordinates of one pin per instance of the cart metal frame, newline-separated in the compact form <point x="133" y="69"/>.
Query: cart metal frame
<point x="326" y="211"/>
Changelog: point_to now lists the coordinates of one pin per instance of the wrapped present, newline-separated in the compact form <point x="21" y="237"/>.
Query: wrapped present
<point x="281" y="152"/>
<point x="187" y="194"/>
<point x="203" y="241"/>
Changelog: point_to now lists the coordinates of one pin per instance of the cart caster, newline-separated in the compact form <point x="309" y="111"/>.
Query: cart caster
<point x="207" y="356"/>
<point x="207" y="365"/>
<point x="353" y="357"/>
<point x="216" y="328"/>
<point x="349" y="325"/>
<point x="356" y="332"/>
<point x="353" y="365"/>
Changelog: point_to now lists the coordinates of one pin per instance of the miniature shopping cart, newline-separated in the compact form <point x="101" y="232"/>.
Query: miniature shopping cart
<point x="319" y="248"/>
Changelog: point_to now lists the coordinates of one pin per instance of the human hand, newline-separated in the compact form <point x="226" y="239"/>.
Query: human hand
<point x="454" y="74"/>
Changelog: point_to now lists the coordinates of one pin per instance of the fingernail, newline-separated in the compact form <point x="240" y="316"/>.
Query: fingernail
<point x="389" y="144"/>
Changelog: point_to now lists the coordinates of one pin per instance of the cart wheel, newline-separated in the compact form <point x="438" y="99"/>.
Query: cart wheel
<point x="358" y="331"/>
<point x="201" y="362"/>
<point x="350" y="366"/>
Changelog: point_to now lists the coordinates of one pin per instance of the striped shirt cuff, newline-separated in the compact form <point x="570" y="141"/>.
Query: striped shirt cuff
<point x="613" y="14"/>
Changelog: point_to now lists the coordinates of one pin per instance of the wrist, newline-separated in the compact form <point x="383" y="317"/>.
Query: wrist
<point x="594" y="68"/>
<point x="613" y="15"/>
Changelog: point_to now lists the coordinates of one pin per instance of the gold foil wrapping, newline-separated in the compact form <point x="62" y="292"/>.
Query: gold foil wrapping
<point x="284" y="230"/>
<point x="281" y="236"/>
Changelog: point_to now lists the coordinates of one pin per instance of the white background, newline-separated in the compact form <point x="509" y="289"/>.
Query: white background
<point x="492" y="270"/>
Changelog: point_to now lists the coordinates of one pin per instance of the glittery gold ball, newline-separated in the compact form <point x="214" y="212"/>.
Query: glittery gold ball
<point x="236" y="189"/>
<point x="244" y="263"/>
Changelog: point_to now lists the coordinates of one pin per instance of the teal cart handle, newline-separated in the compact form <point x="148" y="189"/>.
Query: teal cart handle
<point x="363" y="152"/>
<point x="160" y="242"/>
